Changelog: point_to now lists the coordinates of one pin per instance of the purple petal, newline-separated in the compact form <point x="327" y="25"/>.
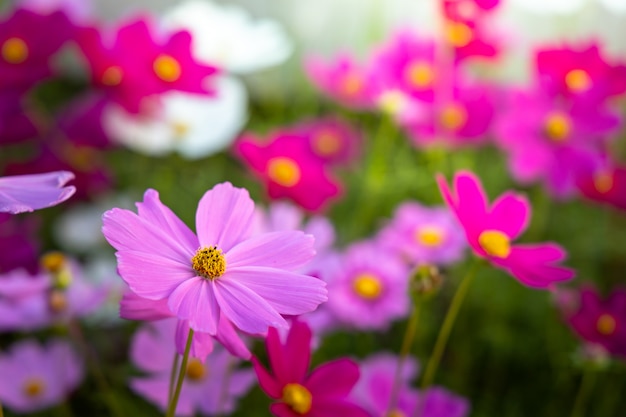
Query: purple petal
<point x="22" y="193"/>
<point x="288" y="250"/>
<point x="224" y="216"/>
<point x="195" y="300"/>
<point x="152" y="350"/>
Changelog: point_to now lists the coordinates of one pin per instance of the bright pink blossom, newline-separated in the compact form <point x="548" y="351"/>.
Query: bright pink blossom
<point x="332" y="140"/>
<point x="221" y="272"/>
<point x="606" y="184"/>
<point x="490" y="231"/>
<point x="21" y="193"/>
<point x="321" y="393"/>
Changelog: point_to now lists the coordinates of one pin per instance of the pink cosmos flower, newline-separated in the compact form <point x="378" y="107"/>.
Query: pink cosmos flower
<point x="465" y="32"/>
<point x="606" y="184"/>
<point x="424" y="235"/>
<point x="129" y="74"/>
<point x="287" y="168"/>
<point x="221" y="272"/>
<point x="22" y="193"/>
<point x="367" y="293"/>
<point x="321" y="393"/>
<point x="491" y="229"/>
<point x="40" y="377"/>
<point x="374" y="390"/>
<point x="210" y="387"/>
<point x="342" y="79"/>
<point x="601" y="321"/>
<point x="332" y="140"/>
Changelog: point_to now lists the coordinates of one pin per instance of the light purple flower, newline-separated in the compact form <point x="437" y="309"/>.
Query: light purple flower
<point x="424" y="235"/>
<point x="208" y="387"/>
<point x="222" y="272"/>
<point x="370" y="288"/>
<point x="35" y="377"/>
<point x="20" y="193"/>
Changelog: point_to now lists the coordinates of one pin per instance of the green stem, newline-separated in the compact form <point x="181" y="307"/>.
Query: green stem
<point x="171" y="409"/>
<point x="407" y="344"/>
<point x="1" y="412"/>
<point x="170" y="390"/>
<point x="583" y="392"/>
<point x="446" y="328"/>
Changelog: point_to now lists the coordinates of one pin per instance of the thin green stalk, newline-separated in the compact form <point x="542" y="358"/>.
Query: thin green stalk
<point x="584" y="390"/>
<point x="407" y="344"/>
<point x="170" y="390"/>
<point x="171" y="409"/>
<point x="1" y="412"/>
<point x="446" y="328"/>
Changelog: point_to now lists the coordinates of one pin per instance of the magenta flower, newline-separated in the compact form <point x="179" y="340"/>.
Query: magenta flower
<point x="490" y="231"/>
<point x="16" y="118"/>
<point x="424" y="235"/>
<point x="19" y="243"/>
<point x="321" y="393"/>
<point x="41" y="377"/>
<point x="208" y="387"/>
<point x="21" y="193"/>
<point x="342" y="79"/>
<point x="332" y="140"/>
<point x="221" y="272"/>
<point x="287" y="168"/>
<point x="601" y="321"/>
<point x="129" y="74"/>
<point x="606" y="184"/>
<point x="366" y="293"/>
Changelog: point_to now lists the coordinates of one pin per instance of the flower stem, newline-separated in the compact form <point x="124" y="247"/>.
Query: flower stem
<point x="171" y="409"/>
<point x="170" y="390"/>
<point x="1" y="412"/>
<point x="583" y="392"/>
<point x="407" y="344"/>
<point x="446" y="328"/>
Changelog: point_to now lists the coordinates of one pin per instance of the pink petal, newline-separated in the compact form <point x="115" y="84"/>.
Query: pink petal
<point x="155" y="389"/>
<point x="272" y="387"/>
<point x="229" y="338"/>
<point x="530" y="265"/>
<point x="297" y="351"/>
<point x="333" y="379"/>
<point x="471" y="198"/>
<point x="245" y="309"/>
<point x="287" y="292"/>
<point x="337" y="409"/>
<point x="287" y="250"/>
<point x="510" y="214"/>
<point x="134" y="307"/>
<point x="283" y="410"/>
<point x="195" y="300"/>
<point x="148" y="352"/>
<point x="277" y="357"/>
<point x="224" y="216"/>
<point x="201" y="344"/>
<point x="25" y="193"/>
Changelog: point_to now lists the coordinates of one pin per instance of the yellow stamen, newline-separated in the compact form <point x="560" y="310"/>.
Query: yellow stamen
<point x="196" y="371"/>
<point x="606" y="324"/>
<point x="367" y="286"/>
<point x="53" y="261"/>
<point x="34" y="387"/>
<point x="298" y="398"/>
<point x="284" y="171"/>
<point x="495" y="243"/>
<point x="578" y="80"/>
<point x="558" y="127"/>
<point x="209" y="262"/>
<point x="351" y="85"/>
<point x="57" y="301"/>
<point x="458" y="34"/>
<point x="419" y="74"/>
<point x="453" y="116"/>
<point x="603" y="181"/>
<point x="429" y="236"/>
<point x="14" y="51"/>
<point x="112" y="76"/>
<point x="167" y="68"/>
<point x="326" y="143"/>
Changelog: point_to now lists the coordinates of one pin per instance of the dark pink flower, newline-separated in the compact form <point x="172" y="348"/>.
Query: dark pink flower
<point x="464" y="31"/>
<point x="606" y="184"/>
<point x="321" y="393"/>
<point x="286" y="167"/>
<point x="490" y="231"/>
<point x="332" y="140"/>
<point x="19" y="243"/>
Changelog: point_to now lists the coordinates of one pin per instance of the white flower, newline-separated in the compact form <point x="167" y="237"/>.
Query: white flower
<point x="551" y="6"/>
<point x="193" y="125"/>
<point x="228" y="37"/>
<point x="618" y="6"/>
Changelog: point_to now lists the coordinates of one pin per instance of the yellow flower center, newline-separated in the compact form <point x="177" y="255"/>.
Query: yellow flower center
<point x="112" y="76"/>
<point x="452" y="116"/>
<point x="396" y="413"/>
<point x="419" y="74"/>
<point x="351" y="84"/>
<point x="367" y="286"/>
<point x="326" y="143"/>
<point x="167" y="68"/>
<point x="495" y="243"/>
<point x="578" y="80"/>
<point x="458" y="34"/>
<point x="606" y="324"/>
<point x="603" y="181"/>
<point x="209" y="263"/>
<point x="33" y="387"/>
<point x="284" y="171"/>
<point x="429" y="236"/>
<point x="53" y="261"/>
<point x="558" y="127"/>
<point x="14" y="51"/>
<point x="196" y="371"/>
<point x="180" y="129"/>
<point x="57" y="301"/>
<point x="298" y="398"/>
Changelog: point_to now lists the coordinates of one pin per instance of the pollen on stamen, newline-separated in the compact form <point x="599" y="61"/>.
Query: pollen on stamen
<point x="209" y="262"/>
